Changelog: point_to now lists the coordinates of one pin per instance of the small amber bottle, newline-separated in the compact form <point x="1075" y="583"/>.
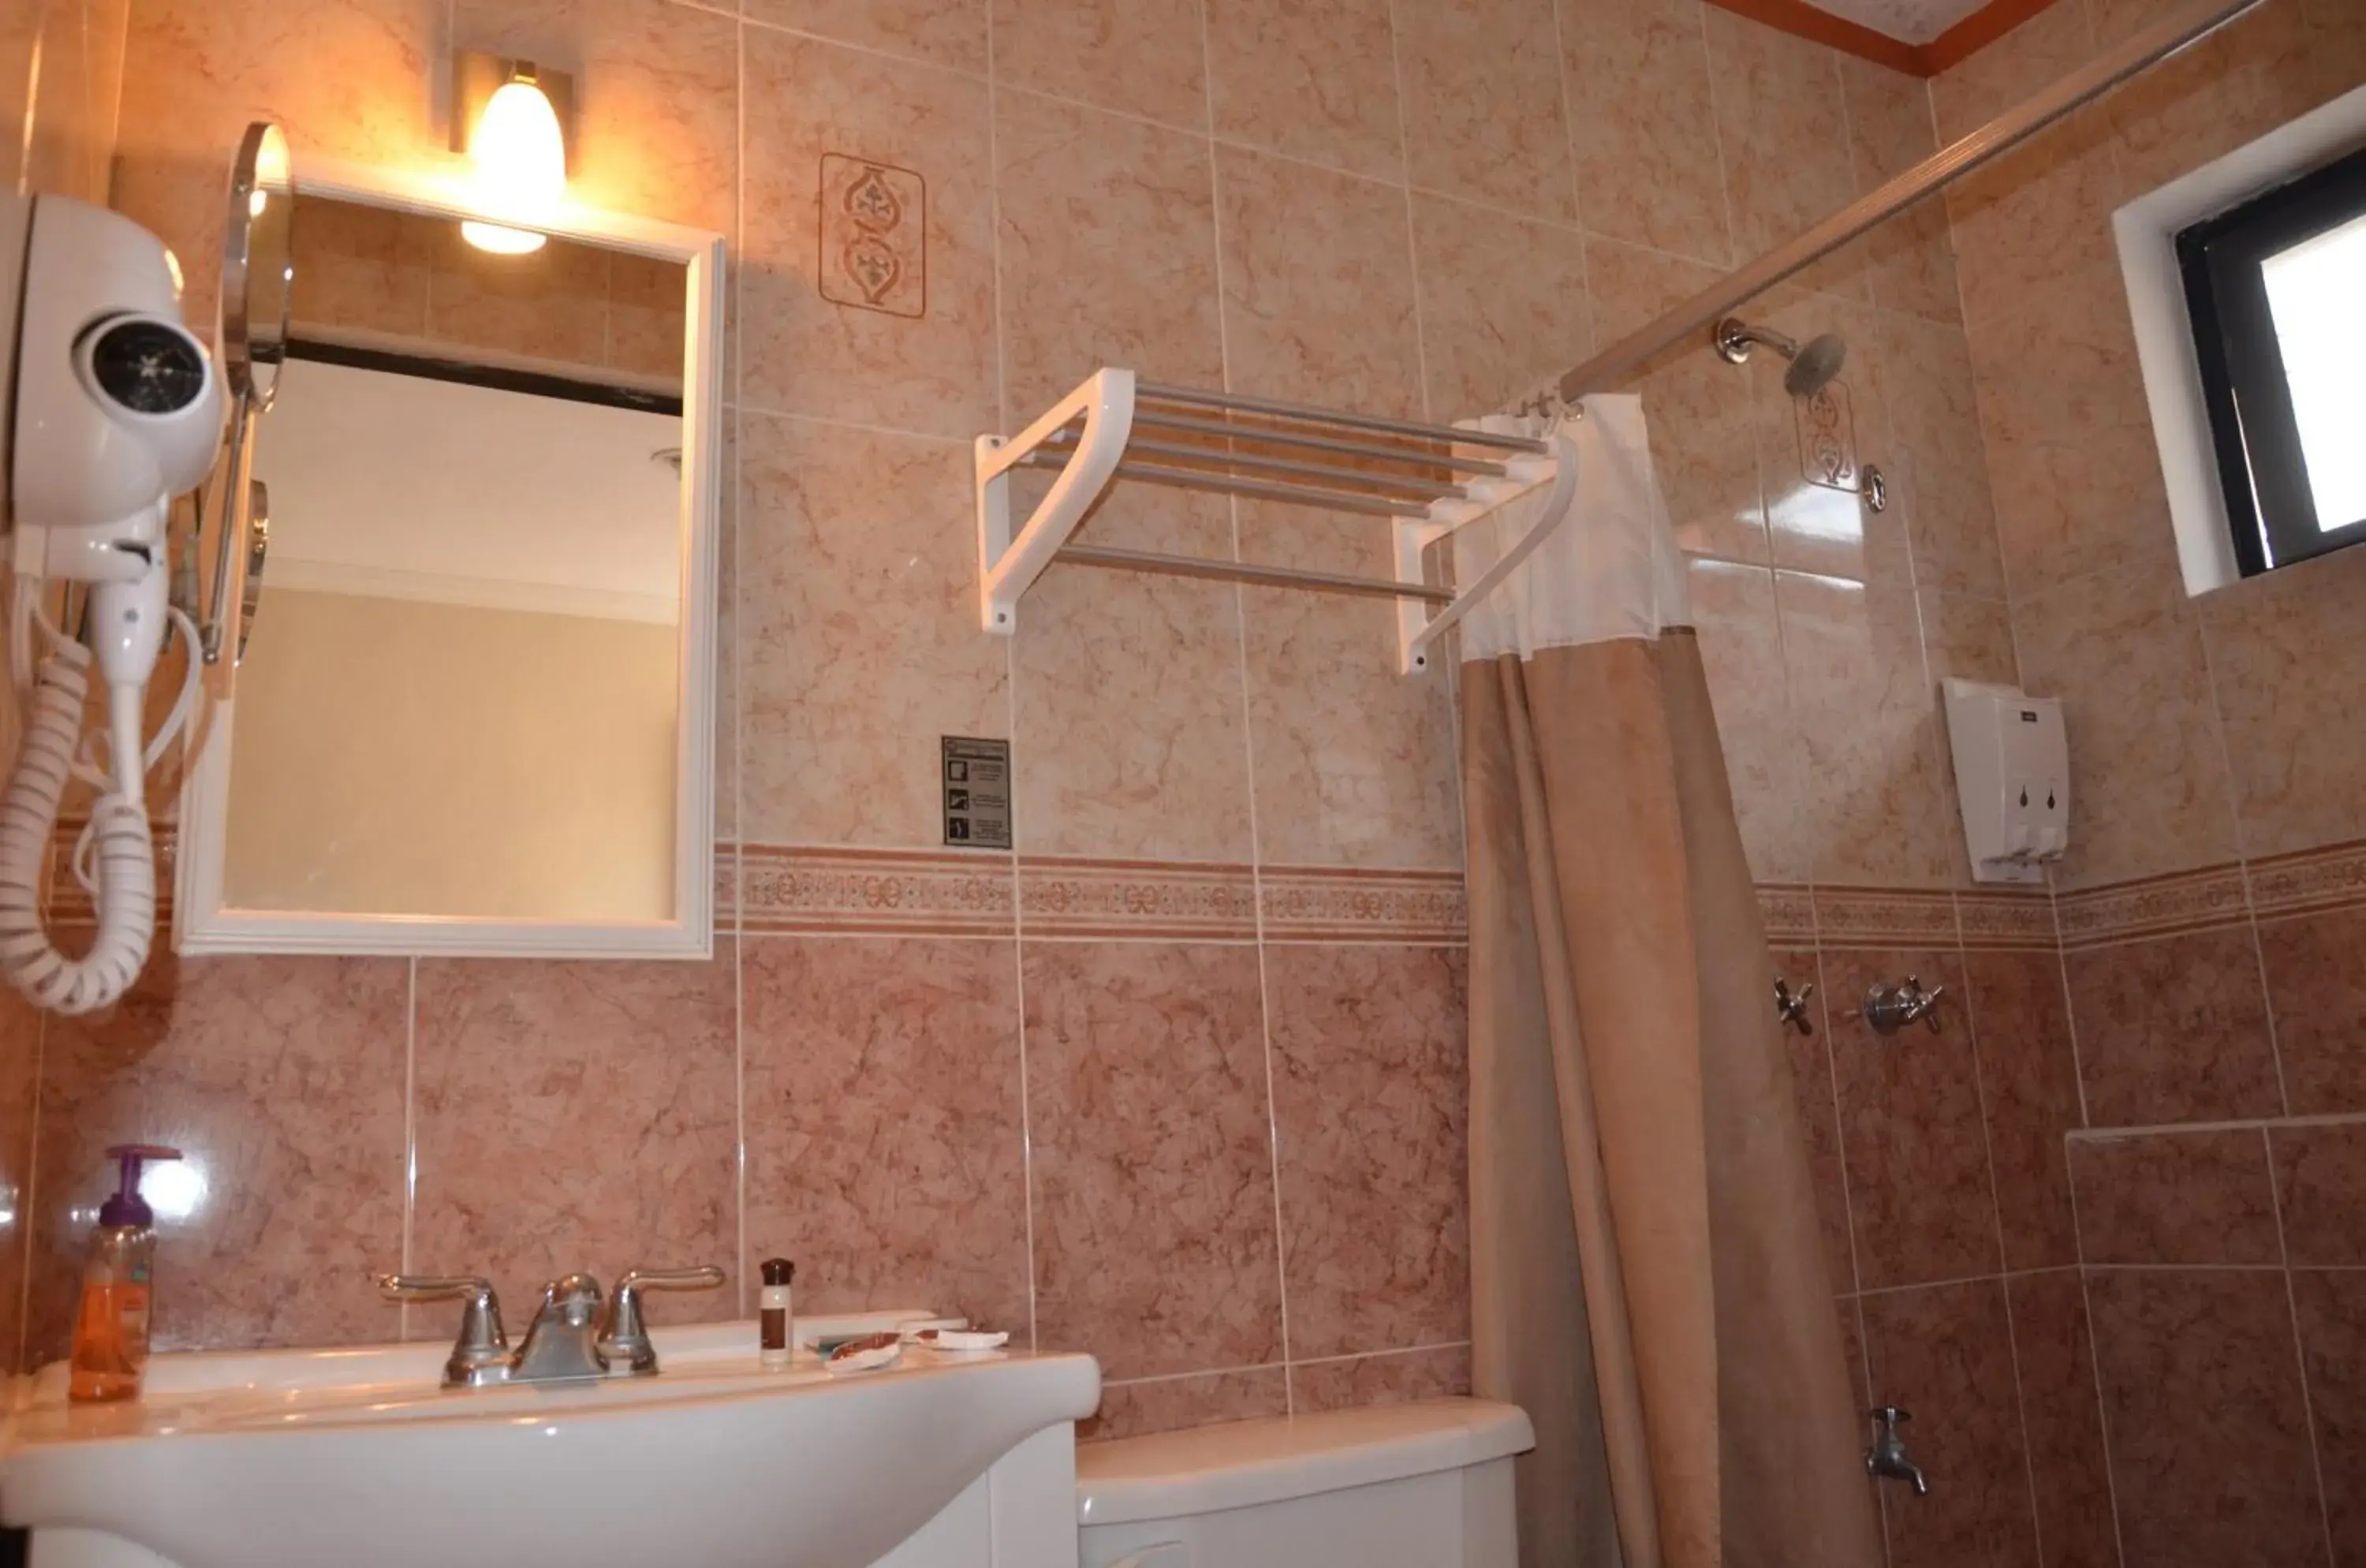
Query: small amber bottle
<point x="777" y="1326"/>
<point x="110" y="1338"/>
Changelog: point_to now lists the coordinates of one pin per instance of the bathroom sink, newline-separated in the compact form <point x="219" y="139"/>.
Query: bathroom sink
<point x="295" y="1458"/>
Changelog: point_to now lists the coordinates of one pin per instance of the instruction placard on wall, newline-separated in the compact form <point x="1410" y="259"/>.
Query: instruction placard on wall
<point x="976" y="776"/>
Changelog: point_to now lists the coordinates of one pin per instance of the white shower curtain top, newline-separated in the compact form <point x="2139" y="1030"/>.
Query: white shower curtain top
<point x="1611" y="569"/>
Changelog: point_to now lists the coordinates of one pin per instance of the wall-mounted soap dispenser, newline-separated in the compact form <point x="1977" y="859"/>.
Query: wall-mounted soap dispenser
<point x="2012" y="776"/>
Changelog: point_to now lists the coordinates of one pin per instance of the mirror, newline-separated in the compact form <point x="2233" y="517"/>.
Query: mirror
<point x="473" y="711"/>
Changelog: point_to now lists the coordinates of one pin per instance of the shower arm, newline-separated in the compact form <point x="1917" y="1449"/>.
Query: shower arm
<point x="2098" y="76"/>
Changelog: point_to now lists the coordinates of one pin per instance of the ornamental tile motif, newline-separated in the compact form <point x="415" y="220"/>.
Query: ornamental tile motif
<point x="874" y="248"/>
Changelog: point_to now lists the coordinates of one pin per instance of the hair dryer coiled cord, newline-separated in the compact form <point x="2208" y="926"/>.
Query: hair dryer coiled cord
<point x="123" y="882"/>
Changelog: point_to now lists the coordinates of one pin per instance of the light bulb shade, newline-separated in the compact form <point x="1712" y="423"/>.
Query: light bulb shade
<point x="520" y="154"/>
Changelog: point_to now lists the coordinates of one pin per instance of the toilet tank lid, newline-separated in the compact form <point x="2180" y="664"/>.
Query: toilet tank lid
<point x="1239" y="1464"/>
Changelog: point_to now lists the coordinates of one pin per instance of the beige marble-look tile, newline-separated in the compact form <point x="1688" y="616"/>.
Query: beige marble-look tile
<point x="1146" y="57"/>
<point x="1131" y="727"/>
<point x="362" y="267"/>
<point x="2054" y="1364"/>
<point x="1949" y="1348"/>
<point x="656" y="128"/>
<point x="1937" y="456"/>
<point x="1399" y="1377"/>
<point x="2260" y="71"/>
<point x="281" y="1082"/>
<point x="2286" y="670"/>
<point x="576" y="1116"/>
<point x="2148" y="784"/>
<point x="1318" y="287"/>
<point x="1910" y="260"/>
<point x="1741" y="653"/>
<point x="1313" y="79"/>
<point x="1169" y="1404"/>
<point x="2175" y="1198"/>
<point x="885" y="1152"/>
<point x="348" y="79"/>
<point x="1154" y="1240"/>
<point x="1353" y="763"/>
<point x="1875" y="798"/>
<point x="2173" y="1030"/>
<point x="1813" y="523"/>
<point x="2041" y="212"/>
<point x="2316" y="967"/>
<point x="1503" y="304"/>
<point x="2236" y="1488"/>
<point x="1642" y="125"/>
<point x="860" y="643"/>
<point x="1703" y="424"/>
<point x="20" y="1070"/>
<point x="549" y="304"/>
<point x="1921" y="1191"/>
<point x="1109" y="251"/>
<point x="2071" y="456"/>
<point x="2320" y="1181"/>
<point x="2029" y="1098"/>
<point x="807" y="354"/>
<point x="941" y="32"/>
<point x="1371" y="1082"/>
<point x="649" y="310"/>
<point x="1783" y="129"/>
<point x="76" y="98"/>
<point x="1482" y="103"/>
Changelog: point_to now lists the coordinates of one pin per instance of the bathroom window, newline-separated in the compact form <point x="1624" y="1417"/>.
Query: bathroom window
<point x="2275" y="288"/>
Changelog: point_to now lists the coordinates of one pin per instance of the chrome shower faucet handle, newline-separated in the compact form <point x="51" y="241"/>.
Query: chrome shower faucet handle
<point x="480" y="1352"/>
<point x="1888" y="1009"/>
<point x="624" y="1339"/>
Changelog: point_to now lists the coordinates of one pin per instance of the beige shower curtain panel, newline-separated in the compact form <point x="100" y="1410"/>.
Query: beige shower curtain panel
<point x="1648" y="1278"/>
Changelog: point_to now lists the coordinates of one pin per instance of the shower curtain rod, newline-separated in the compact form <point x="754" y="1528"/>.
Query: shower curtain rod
<point x="1871" y="211"/>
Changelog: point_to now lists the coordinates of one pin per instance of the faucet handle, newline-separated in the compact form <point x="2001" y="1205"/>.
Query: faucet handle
<point x="482" y="1343"/>
<point x="624" y="1342"/>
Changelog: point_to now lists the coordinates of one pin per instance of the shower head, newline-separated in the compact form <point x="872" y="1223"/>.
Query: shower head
<point x="1813" y="366"/>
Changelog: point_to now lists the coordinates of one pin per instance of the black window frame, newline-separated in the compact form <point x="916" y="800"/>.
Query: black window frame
<point x="2271" y="509"/>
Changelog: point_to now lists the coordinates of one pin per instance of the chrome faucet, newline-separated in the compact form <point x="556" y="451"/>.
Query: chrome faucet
<point x="570" y="1340"/>
<point x="1888" y="1459"/>
<point x="624" y="1344"/>
<point x="1890" y="1009"/>
<point x="562" y="1342"/>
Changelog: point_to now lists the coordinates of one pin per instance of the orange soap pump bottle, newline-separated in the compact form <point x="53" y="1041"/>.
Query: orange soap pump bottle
<point x="110" y="1338"/>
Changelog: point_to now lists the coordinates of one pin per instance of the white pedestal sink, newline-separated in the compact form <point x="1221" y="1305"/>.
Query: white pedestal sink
<point x="357" y="1458"/>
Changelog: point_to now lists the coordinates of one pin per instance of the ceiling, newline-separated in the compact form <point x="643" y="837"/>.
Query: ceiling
<point x="1907" y="21"/>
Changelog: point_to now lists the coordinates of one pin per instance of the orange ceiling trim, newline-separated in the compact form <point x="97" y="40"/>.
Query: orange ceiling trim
<point x="1950" y="48"/>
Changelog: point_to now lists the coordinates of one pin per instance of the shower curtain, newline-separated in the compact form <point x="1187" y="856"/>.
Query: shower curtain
<point x="1647" y="1280"/>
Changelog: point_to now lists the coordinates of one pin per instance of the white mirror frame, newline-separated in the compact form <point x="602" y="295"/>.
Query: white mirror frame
<point x="202" y="923"/>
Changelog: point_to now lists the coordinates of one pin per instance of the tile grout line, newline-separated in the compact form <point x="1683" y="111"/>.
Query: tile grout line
<point x="1248" y="739"/>
<point x="2300" y="1349"/>
<point x="1018" y="938"/>
<point x="1285" y="1366"/>
<point x="410" y="1130"/>
<point x="2095" y="1371"/>
<point x="31" y="1204"/>
<point x="1996" y="1210"/>
<point x="739" y="683"/>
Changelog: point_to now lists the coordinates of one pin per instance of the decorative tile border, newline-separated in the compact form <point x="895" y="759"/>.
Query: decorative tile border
<point x="2185" y="901"/>
<point x="1787" y="911"/>
<point x="1884" y="916"/>
<point x="1996" y="921"/>
<point x="949" y="893"/>
<point x="1071" y="897"/>
<point x="1310" y="903"/>
<point x="876" y="892"/>
<point x="2310" y="882"/>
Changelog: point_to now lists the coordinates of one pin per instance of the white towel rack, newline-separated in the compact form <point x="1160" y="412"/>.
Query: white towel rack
<point x="1430" y="479"/>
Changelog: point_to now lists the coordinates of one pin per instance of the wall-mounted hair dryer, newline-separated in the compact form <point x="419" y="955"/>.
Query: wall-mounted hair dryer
<point x="111" y="408"/>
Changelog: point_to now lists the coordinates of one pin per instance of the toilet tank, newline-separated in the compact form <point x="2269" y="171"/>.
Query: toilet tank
<point x="1424" y="1486"/>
